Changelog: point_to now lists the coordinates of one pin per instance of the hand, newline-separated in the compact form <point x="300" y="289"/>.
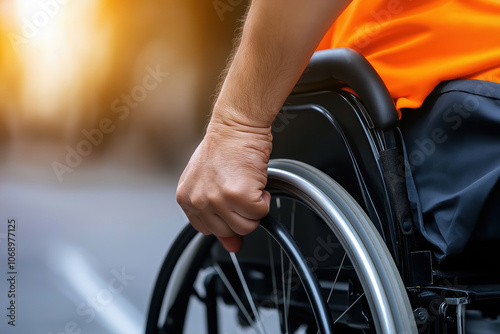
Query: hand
<point x="222" y="188"/>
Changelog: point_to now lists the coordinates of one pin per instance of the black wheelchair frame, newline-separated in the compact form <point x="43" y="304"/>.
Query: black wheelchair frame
<point x="341" y="120"/>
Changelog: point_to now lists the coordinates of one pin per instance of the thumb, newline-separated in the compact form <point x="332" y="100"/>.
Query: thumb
<point x="233" y="243"/>
<point x="266" y="196"/>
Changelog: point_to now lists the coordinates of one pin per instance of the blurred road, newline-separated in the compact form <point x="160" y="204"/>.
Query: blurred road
<point x="87" y="249"/>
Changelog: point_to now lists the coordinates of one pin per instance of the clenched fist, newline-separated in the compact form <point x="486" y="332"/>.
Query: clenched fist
<point x="222" y="188"/>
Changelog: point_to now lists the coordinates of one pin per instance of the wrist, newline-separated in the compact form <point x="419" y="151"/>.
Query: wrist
<point x="228" y="126"/>
<point x="255" y="121"/>
<point x="255" y="143"/>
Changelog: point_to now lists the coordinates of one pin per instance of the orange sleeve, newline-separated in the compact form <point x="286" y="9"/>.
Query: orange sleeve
<point x="415" y="45"/>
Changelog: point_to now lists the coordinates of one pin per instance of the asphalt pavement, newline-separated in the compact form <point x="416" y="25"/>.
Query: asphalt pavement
<point x="86" y="250"/>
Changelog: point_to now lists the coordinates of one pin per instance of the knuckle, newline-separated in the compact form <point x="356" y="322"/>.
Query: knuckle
<point x="247" y="227"/>
<point x="214" y="197"/>
<point x="199" y="201"/>
<point x="181" y="196"/>
<point x="235" y="193"/>
<point x="229" y="192"/>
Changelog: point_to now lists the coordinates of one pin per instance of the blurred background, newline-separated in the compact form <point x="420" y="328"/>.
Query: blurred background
<point x="101" y="104"/>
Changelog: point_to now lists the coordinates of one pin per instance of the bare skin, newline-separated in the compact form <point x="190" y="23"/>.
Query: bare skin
<point x="222" y="188"/>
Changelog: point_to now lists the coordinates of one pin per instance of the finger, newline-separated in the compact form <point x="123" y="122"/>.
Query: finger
<point x="216" y="225"/>
<point x="198" y="225"/>
<point x="251" y="207"/>
<point x="239" y="224"/>
<point x="232" y="244"/>
<point x="236" y="222"/>
<point x="266" y="196"/>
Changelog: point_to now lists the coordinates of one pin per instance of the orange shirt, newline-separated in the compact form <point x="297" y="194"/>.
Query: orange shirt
<point x="415" y="44"/>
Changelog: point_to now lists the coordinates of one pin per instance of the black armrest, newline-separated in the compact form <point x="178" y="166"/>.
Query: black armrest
<point x="328" y="67"/>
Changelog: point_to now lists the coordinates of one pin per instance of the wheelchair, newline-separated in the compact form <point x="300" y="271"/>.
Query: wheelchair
<point x="338" y="252"/>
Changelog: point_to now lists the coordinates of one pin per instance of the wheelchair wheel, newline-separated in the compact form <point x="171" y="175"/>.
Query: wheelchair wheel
<point x="348" y="285"/>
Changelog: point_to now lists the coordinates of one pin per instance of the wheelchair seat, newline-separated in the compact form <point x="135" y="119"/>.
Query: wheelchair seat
<point x="339" y="251"/>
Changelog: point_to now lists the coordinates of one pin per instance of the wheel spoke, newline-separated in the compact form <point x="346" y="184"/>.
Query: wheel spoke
<point x="350" y="306"/>
<point x="247" y="291"/>
<point x="284" y="313"/>
<point x="273" y="273"/>
<point x="336" y="278"/>
<point x="233" y="293"/>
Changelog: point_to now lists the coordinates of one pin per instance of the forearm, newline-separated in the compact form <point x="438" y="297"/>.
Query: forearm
<point x="222" y="189"/>
<point x="279" y="37"/>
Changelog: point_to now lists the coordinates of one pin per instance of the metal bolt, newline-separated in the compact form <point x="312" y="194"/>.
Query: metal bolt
<point x="407" y="227"/>
<point x="421" y="315"/>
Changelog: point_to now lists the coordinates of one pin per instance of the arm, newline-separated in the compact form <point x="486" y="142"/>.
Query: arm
<point x="222" y="187"/>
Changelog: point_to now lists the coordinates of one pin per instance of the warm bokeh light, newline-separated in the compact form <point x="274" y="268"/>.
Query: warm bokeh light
<point x="68" y="66"/>
<point x="51" y="39"/>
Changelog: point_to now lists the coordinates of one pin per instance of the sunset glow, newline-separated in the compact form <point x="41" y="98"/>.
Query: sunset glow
<point x="60" y="51"/>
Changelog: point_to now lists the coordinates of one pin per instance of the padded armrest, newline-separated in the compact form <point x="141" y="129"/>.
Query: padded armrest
<point x="326" y="68"/>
